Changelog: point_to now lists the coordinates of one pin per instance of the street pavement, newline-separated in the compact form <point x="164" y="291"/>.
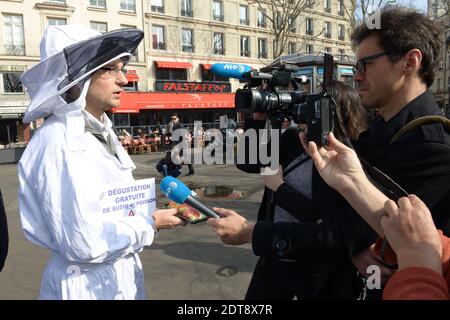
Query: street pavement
<point x="185" y="263"/>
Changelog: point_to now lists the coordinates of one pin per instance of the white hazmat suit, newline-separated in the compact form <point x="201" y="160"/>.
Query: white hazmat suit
<point x="62" y="175"/>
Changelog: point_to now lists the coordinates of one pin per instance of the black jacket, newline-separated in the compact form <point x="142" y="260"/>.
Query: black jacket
<point x="324" y="243"/>
<point x="3" y="233"/>
<point x="419" y="161"/>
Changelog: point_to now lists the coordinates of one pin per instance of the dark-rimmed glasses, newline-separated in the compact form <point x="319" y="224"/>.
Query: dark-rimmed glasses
<point x="114" y="71"/>
<point x="361" y="63"/>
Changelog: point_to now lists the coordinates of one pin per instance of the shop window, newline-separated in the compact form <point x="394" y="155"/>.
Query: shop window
<point x="171" y="74"/>
<point x="207" y="76"/>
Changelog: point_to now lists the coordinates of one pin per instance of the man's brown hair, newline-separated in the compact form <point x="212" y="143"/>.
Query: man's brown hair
<point x="403" y="29"/>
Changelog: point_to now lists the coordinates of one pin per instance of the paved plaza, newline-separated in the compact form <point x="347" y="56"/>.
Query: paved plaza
<point x="184" y="263"/>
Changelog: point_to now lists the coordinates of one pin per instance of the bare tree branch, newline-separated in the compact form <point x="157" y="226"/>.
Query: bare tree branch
<point x="282" y="15"/>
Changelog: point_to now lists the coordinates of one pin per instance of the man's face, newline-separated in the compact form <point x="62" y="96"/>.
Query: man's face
<point x="381" y="79"/>
<point x="175" y="119"/>
<point x="105" y="87"/>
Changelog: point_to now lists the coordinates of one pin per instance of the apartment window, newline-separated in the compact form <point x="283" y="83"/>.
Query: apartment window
<point x="292" y="24"/>
<point x="309" y="3"/>
<point x="99" y="26"/>
<point x="439" y="82"/>
<point x="341" y="8"/>
<point x="327" y="5"/>
<point x="309" y="48"/>
<point x="309" y="26"/>
<point x="327" y="33"/>
<point x="341" y="54"/>
<point x="57" y="21"/>
<point x="186" y="8"/>
<point x="217" y="7"/>
<point x="157" y="6"/>
<point x="219" y="47"/>
<point x="262" y="48"/>
<point x="245" y="46"/>
<point x="277" y="20"/>
<point x="171" y="74"/>
<point x="261" y="17"/>
<point x="57" y="1"/>
<point x="98" y="3"/>
<point x="13" y="35"/>
<point x="292" y="48"/>
<point x="243" y="15"/>
<point x="134" y="56"/>
<point x="128" y="5"/>
<point x="158" y="38"/>
<point x="187" y="40"/>
<point x="341" y="32"/>
<point x="328" y="49"/>
<point x="11" y="82"/>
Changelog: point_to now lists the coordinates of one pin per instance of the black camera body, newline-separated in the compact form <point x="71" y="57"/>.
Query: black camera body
<point x="282" y="98"/>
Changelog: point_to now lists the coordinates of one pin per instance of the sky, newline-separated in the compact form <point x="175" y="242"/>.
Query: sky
<point x="419" y="4"/>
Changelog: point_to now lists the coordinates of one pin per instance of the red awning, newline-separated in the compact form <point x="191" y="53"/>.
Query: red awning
<point x="163" y="100"/>
<point x="173" y="65"/>
<point x="132" y="77"/>
<point x="206" y="66"/>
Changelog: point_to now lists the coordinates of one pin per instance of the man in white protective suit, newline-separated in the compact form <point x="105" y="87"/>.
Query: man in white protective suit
<point x="73" y="158"/>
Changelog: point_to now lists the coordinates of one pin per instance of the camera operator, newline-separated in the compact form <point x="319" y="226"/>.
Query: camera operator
<point x="422" y="253"/>
<point x="396" y="66"/>
<point x="286" y="272"/>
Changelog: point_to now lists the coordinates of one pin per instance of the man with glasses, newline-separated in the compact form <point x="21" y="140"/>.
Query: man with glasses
<point x="75" y="161"/>
<point x="395" y="69"/>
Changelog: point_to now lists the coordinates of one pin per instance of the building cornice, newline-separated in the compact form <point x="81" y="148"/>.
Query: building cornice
<point x="54" y="6"/>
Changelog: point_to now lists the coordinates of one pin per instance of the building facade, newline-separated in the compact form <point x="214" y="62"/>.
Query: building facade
<point x="439" y="10"/>
<point x="171" y="69"/>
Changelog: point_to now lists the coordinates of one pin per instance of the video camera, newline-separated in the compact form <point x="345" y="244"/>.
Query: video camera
<point x="281" y="96"/>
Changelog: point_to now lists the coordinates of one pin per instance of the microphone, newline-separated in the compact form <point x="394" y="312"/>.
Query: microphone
<point x="178" y="192"/>
<point x="230" y="70"/>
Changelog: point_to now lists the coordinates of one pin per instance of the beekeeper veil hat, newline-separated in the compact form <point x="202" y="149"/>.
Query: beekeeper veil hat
<point x="70" y="54"/>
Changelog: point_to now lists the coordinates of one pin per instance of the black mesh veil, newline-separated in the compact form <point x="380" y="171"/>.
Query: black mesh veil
<point x="84" y="57"/>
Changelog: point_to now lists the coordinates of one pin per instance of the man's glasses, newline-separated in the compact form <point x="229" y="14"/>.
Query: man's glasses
<point x="174" y="118"/>
<point x="114" y="71"/>
<point x="361" y="63"/>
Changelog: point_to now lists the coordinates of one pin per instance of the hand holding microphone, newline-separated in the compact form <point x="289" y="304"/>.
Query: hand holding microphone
<point x="178" y="192"/>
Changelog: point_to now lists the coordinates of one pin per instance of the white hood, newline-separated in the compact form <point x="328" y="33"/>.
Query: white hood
<point x="70" y="55"/>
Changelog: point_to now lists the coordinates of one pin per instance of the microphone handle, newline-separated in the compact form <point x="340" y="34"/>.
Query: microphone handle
<point x="200" y="207"/>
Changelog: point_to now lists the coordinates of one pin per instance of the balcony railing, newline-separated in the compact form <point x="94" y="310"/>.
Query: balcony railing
<point x="187" y="13"/>
<point x="309" y="32"/>
<point x="218" y="17"/>
<point x="327" y="35"/>
<point x="262" y="55"/>
<point x="245" y="53"/>
<point x="341" y="37"/>
<point x="187" y="48"/>
<point x="158" y="9"/>
<point x="219" y="51"/>
<point x="244" y="21"/>
<point x="159" y="45"/>
<point x="262" y="24"/>
<point x="14" y="50"/>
